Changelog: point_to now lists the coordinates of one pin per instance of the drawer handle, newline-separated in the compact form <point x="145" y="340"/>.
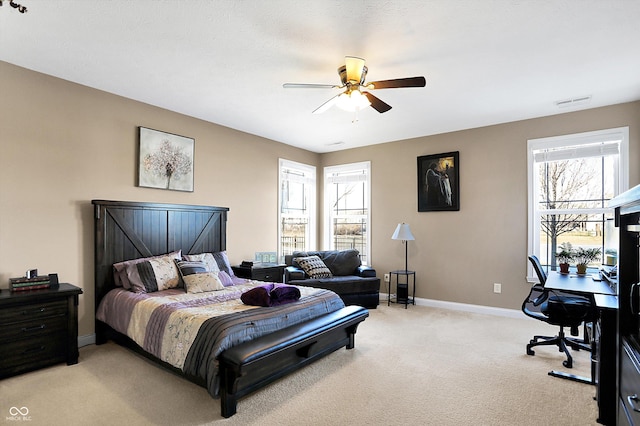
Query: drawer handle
<point x="37" y="327"/>
<point x="35" y="311"/>
<point x="633" y="399"/>
<point x="32" y="350"/>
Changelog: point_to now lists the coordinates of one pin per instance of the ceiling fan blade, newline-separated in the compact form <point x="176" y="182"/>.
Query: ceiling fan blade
<point x="309" y="86"/>
<point x="397" y="83"/>
<point x="376" y="103"/>
<point x="325" y="106"/>
<point x="354" y="66"/>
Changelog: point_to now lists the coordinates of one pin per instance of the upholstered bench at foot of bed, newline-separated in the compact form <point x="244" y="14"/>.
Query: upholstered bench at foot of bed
<point x="252" y="365"/>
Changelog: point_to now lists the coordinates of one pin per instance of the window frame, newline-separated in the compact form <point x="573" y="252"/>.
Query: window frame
<point x="328" y="211"/>
<point x="309" y="172"/>
<point x="620" y="134"/>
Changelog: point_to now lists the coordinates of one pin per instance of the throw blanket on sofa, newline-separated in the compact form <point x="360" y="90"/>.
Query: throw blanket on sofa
<point x="189" y="330"/>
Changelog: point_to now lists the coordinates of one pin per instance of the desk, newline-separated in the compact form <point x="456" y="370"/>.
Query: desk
<point x="579" y="284"/>
<point x="603" y="352"/>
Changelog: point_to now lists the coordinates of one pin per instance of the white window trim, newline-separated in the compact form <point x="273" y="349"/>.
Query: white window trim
<point x="533" y="225"/>
<point x="311" y="171"/>
<point x="327" y="202"/>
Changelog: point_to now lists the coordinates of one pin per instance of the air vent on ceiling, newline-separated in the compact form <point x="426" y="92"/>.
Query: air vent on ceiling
<point x="574" y="102"/>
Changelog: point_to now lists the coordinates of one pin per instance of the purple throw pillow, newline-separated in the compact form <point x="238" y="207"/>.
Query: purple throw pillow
<point x="225" y="279"/>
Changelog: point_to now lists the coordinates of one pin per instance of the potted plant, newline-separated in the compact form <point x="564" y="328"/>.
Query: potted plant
<point x="585" y="256"/>
<point x="565" y="256"/>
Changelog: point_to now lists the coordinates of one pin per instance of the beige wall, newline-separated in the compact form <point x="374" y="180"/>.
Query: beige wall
<point x="63" y="145"/>
<point x="458" y="256"/>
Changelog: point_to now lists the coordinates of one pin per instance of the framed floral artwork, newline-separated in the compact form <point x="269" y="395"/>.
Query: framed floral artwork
<point x="165" y="160"/>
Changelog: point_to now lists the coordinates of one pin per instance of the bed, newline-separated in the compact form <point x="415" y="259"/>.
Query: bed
<point x="232" y="354"/>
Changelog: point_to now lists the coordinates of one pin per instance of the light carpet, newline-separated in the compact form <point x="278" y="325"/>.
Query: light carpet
<point x="420" y="366"/>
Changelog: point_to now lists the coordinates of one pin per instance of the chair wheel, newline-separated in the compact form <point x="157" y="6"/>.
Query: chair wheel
<point x="567" y="364"/>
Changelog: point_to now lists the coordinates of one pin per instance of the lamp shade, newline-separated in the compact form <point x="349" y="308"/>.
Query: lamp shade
<point x="403" y="232"/>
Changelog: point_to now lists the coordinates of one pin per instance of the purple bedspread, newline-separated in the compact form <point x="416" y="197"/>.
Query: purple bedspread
<point x="189" y="331"/>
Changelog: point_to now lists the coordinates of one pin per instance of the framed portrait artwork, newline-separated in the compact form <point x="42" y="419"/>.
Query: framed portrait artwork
<point x="439" y="182"/>
<point x="165" y="160"/>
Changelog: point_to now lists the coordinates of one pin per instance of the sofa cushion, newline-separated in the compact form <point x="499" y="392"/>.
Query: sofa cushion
<point x="314" y="267"/>
<point x="343" y="285"/>
<point x="339" y="262"/>
<point x="343" y="262"/>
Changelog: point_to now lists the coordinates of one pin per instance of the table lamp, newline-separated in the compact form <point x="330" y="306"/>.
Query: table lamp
<point x="403" y="232"/>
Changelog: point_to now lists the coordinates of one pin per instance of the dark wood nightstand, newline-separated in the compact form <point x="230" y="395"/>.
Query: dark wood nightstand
<point x="38" y="328"/>
<point x="262" y="272"/>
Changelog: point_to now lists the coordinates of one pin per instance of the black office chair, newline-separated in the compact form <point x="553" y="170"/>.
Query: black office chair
<point x="560" y="309"/>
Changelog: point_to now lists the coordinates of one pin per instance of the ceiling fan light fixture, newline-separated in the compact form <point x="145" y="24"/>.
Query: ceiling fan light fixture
<point x="352" y="76"/>
<point x="355" y="69"/>
<point x="352" y="101"/>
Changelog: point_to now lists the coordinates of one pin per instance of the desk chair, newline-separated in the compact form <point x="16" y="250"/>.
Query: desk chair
<point x="560" y="309"/>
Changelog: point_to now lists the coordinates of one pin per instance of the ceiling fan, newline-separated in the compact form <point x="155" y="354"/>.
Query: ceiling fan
<point x="356" y="95"/>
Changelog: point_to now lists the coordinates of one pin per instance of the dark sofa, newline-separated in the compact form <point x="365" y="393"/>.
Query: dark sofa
<point x="354" y="283"/>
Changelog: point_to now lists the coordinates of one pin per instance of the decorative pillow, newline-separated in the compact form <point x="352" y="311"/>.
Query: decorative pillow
<point x="217" y="261"/>
<point x="196" y="278"/>
<point x="153" y="274"/>
<point x="225" y="279"/>
<point x="120" y="269"/>
<point x="206" y="258"/>
<point x="223" y="262"/>
<point x="314" y="267"/>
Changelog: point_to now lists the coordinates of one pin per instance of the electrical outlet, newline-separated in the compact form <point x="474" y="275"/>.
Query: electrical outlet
<point x="386" y="278"/>
<point x="497" y="288"/>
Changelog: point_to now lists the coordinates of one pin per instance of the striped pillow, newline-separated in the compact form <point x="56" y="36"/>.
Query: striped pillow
<point x="196" y="277"/>
<point x="153" y="274"/>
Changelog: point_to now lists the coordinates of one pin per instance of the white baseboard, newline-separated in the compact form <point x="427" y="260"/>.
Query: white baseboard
<point x="455" y="306"/>
<point x="86" y="340"/>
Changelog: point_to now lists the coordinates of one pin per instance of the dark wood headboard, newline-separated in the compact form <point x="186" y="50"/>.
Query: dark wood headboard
<point x="127" y="230"/>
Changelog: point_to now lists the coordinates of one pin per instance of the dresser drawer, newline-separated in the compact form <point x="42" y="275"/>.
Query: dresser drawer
<point x="29" y="354"/>
<point x="630" y="383"/>
<point x="268" y="274"/>
<point x="19" y="313"/>
<point x="35" y="327"/>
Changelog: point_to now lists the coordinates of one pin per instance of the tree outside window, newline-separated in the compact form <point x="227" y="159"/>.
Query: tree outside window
<point x="571" y="180"/>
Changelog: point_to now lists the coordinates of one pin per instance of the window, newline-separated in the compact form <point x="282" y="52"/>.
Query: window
<point x="571" y="179"/>
<point x="347" y="201"/>
<point x="297" y="215"/>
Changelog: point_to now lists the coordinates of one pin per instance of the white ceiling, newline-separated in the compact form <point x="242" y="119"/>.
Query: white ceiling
<point x="224" y="61"/>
